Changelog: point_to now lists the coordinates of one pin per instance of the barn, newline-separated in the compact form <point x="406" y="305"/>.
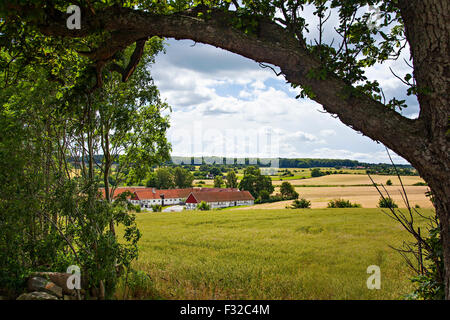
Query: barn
<point x="219" y="199"/>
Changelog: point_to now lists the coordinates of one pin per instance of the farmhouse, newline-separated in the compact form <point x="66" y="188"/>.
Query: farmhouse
<point x="151" y="196"/>
<point x="146" y="197"/>
<point x="219" y="199"/>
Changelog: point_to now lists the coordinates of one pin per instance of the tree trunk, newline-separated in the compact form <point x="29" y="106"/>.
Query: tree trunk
<point x="428" y="31"/>
<point x="107" y="170"/>
<point x="441" y="191"/>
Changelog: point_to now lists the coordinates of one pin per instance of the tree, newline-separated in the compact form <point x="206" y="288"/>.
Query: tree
<point x="389" y="182"/>
<point x="276" y="32"/>
<point x="231" y="179"/>
<point x="164" y="177"/>
<point x="264" y="196"/>
<point x="387" y="203"/>
<point x="152" y="180"/>
<point x="254" y="182"/>
<point x="300" y="204"/>
<point x="131" y="128"/>
<point x="215" y="171"/>
<point x="316" y="173"/>
<point x="51" y="212"/>
<point x="288" y="191"/>
<point x="218" y="182"/>
<point x="183" y="178"/>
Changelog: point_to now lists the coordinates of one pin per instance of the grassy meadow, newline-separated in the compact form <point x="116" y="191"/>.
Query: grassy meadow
<point x="271" y="254"/>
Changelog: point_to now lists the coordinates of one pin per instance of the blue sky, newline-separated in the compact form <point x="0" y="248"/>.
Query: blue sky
<point x="227" y="105"/>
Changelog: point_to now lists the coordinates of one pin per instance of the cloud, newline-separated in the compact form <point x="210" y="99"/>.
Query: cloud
<point x="226" y="105"/>
<point x="327" y="133"/>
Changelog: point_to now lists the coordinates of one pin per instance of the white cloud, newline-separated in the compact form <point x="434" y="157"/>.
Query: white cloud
<point x="327" y="132"/>
<point x="221" y="102"/>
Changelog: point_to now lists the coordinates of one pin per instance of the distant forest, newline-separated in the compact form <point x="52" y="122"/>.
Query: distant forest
<point x="239" y="163"/>
<point x="282" y="162"/>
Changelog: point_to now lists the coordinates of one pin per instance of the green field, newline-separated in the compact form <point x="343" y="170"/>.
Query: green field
<point x="272" y="254"/>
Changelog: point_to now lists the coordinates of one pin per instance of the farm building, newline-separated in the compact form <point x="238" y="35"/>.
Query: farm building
<point x="219" y="199"/>
<point x="151" y="196"/>
<point x="146" y="197"/>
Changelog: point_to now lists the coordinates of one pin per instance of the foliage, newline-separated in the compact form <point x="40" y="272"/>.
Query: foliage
<point x="300" y="204"/>
<point x="389" y="182"/>
<point x="386" y="202"/>
<point x="264" y="196"/>
<point x="169" y="178"/>
<point x="131" y="126"/>
<point x="316" y="173"/>
<point x="218" y="181"/>
<point x="254" y="182"/>
<point x="51" y="212"/>
<point x="136" y="285"/>
<point x="288" y="191"/>
<point x="388" y="170"/>
<point x="429" y="284"/>
<point x="231" y="179"/>
<point x="203" y="206"/>
<point x="156" y="208"/>
<point x="341" y="203"/>
<point x="182" y="178"/>
<point x="162" y="178"/>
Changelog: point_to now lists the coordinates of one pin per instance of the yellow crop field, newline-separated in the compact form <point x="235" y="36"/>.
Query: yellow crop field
<point x="367" y="196"/>
<point x="271" y="254"/>
<point x="353" y="179"/>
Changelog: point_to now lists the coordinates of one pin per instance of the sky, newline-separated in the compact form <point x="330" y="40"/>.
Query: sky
<point x="227" y="105"/>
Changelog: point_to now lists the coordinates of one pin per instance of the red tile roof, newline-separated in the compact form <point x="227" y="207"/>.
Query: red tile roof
<point x="219" y="196"/>
<point x="215" y="189"/>
<point x="143" y="193"/>
<point x="150" y="193"/>
<point x="119" y="190"/>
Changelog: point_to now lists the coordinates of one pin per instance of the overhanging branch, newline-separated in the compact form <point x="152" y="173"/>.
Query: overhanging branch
<point x="270" y="44"/>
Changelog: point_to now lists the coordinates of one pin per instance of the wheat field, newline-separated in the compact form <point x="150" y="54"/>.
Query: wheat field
<point x="271" y="254"/>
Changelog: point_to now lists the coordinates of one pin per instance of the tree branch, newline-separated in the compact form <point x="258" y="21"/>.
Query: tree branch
<point x="271" y="44"/>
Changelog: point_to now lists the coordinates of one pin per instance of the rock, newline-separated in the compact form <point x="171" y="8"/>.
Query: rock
<point x="58" y="278"/>
<point x="41" y="284"/>
<point x="37" y="295"/>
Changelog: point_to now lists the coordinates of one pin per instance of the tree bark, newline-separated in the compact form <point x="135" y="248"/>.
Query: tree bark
<point x="428" y="32"/>
<point x="424" y="142"/>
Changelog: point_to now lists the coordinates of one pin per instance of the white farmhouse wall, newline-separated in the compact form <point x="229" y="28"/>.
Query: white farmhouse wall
<point x="224" y="204"/>
<point x="148" y="203"/>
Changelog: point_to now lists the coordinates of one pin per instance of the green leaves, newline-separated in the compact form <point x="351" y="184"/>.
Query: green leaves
<point x="254" y="182"/>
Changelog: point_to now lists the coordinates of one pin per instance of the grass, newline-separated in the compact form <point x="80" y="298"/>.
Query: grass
<point x="272" y="254"/>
